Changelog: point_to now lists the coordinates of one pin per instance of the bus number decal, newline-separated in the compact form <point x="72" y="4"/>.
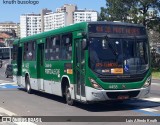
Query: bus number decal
<point x="113" y="87"/>
<point x="52" y="71"/>
<point x="48" y="65"/>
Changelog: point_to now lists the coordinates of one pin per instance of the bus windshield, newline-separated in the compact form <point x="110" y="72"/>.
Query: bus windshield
<point x="118" y="56"/>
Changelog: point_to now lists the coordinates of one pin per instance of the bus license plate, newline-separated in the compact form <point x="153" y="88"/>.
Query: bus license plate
<point x="121" y="97"/>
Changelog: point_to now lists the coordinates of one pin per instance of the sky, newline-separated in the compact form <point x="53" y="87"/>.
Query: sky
<point x="12" y="12"/>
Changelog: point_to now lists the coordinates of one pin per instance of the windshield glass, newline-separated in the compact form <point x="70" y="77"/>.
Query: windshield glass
<point x="118" y="56"/>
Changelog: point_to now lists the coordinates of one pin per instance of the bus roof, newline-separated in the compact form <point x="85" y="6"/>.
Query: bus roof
<point x="81" y="25"/>
<point x="15" y="42"/>
<point x="66" y="29"/>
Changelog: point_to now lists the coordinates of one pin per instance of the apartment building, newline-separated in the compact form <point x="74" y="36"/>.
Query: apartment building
<point x="85" y="15"/>
<point x="54" y="20"/>
<point x="30" y="24"/>
<point x="9" y="27"/>
<point x="67" y="14"/>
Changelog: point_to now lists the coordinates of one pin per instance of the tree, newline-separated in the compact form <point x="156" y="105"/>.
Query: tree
<point x="116" y="10"/>
<point x="146" y="12"/>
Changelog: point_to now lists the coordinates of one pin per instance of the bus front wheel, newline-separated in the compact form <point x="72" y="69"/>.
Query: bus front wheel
<point x="69" y="100"/>
<point x="28" y="86"/>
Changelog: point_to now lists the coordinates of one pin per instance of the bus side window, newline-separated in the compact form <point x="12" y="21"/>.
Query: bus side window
<point x="25" y="50"/>
<point x="33" y="50"/>
<point x="55" y="45"/>
<point x="29" y="51"/>
<point x="47" y="52"/>
<point x="66" y="48"/>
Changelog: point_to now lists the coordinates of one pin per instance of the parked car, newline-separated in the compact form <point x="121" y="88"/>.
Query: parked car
<point x="1" y="63"/>
<point x="9" y="71"/>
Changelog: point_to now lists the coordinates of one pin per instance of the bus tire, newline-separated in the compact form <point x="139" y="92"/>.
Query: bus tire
<point x="69" y="100"/>
<point x="28" y="85"/>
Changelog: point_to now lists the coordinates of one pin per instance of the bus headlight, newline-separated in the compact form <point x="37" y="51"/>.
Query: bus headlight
<point x="148" y="82"/>
<point x="95" y="84"/>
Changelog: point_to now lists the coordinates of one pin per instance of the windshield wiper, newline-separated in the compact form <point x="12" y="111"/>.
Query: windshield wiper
<point x="110" y="45"/>
<point x="113" y="49"/>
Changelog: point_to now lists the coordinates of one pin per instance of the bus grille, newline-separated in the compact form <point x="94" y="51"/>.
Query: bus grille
<point x="114" y="95"/>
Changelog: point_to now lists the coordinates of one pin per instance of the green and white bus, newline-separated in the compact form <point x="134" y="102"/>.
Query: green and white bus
<point x="86" y="62"/>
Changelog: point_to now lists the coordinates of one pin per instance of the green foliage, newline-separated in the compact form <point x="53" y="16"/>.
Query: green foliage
<point x="135" y="11"/>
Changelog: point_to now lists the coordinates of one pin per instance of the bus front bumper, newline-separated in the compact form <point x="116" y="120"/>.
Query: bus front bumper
<point x="103" y="95"/>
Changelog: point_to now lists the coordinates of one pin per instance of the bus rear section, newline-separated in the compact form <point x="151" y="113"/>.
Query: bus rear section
<point x="118" y="66"/>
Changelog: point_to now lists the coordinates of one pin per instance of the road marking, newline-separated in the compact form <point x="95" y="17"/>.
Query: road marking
<point x="3" y="87"/>
<point x="153" y="99"/>
<point x="4" y="81"/>
<point x="12" y="85"/>
<point x="146" y="112"/>
<point x="9" y="113"/>
<point x="25" y="123"/>
<point x="2" y="110"/>
<point x="157" y="84"/>
<point x="149" y="109"/>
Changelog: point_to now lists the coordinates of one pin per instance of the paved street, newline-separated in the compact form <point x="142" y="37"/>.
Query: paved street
<point x="15" y="101"/>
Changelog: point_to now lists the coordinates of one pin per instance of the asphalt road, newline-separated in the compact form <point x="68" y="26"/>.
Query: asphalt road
<point x="15" y="101"/>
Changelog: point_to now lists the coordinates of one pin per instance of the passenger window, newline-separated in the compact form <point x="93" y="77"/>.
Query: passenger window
<point x="52" y="48"/>
<point x="47" y="46"/>
<point x="29" y="51"/>
<point x="66" y="47"/>
<point x="55" y="48"/>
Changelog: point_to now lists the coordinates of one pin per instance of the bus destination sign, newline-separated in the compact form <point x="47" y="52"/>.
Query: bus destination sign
<point x="117" y="29"/>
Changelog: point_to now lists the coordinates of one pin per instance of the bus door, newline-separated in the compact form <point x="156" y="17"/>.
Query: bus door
<point x="40" y="65"/>
<point x="80" y="71"/>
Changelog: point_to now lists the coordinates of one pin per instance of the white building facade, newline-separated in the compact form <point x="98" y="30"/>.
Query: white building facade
<point x="85" y="15"/>
<point x="54" y="20"/>
<point x="31" y="24"/>
<point x="9" y="26"/>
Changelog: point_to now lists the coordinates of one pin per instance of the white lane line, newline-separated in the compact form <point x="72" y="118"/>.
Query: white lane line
<point x="150" y="109"/>
<point x="2" y="110"/>
<point x="2" y="84"/>
<point x="1" y="81"/>
<point x="25" y="123"/>
<point x="9" y="113"/>
<point x="153" y="99"/>
<point x="157" y="84"/>
<point x="3" y="87"/>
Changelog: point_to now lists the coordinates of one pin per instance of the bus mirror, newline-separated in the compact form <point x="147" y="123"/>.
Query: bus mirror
<point x="84" y="44"/>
